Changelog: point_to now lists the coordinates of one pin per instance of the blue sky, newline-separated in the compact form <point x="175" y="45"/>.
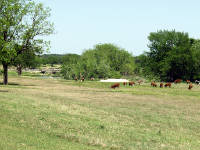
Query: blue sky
<point x="81" y="24"/>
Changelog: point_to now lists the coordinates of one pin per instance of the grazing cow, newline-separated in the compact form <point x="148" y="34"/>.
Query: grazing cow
<point x="124" y="83"/>
<point x="131" y="83"/>
<point x="82" y="79"/>
<point x="43" y="71"/>
<point x="92" y="79"/>
<point x="190" y="86"/>
<point x="161" y="85"/>
<point x="153" y="84"/>
<point x="197" y="82"/>
<point x="115" y="85"/>
<point x="53" y="72"/>
<point x="75" y="78"/>
<point x="188" y="81"/>
<point x="177" y="81"/>
<point x="168" y="84"/>
<point x="140" y="81"/>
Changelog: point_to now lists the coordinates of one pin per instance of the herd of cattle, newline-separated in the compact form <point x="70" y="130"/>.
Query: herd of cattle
<point x="154" y="84"/>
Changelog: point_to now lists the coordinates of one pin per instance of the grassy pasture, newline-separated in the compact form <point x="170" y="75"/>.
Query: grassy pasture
<point x="41" y="114"/>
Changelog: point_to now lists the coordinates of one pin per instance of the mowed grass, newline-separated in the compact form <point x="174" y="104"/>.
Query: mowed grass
<point x="48" y="114"/>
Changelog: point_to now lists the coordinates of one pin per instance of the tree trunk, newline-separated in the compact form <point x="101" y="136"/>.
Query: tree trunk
<point x="19" y="70"/>
<point x="5" y="73"/>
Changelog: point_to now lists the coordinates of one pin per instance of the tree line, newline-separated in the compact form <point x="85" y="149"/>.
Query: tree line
<point x="172" y="55"/>
<point x="103" y="61"/>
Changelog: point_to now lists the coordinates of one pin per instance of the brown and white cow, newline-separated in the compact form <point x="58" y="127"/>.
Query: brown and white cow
<point x="190" y="86"/>
<point x="82" y="79"/>
<point x="75" y="78"/>
<point x="140" y="81"/>
<point x="131" y="83"/>
<point x="124" y="83"/>
<point x="153" y="84"/>
<point x="168" y="84"/>
<point x="177" y="81"/>
<point x="115" y="85"/>
<point x="161" y="85"/>
<point x="187" y="81"/>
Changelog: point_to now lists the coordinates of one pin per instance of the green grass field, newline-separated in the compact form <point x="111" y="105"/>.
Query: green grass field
<point x="48" y="114"/>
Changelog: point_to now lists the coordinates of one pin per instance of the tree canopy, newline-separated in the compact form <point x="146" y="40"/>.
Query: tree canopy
<point x="22" y="23"/>
<point x="172" y="55"/>
<point x="104" y="60"/>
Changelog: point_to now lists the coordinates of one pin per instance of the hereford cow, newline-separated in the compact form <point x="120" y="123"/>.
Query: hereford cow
<point x="177" y="81"/>
<point x="161" y="85"/>
<point x="124" y="83"/>
<point x="190" y="86"/>
<point x="153" y="84"/>
<point x="82" y="79"/>
<point x="75" y="78"/>
<point x="131" y="83"/>
<point x="115" y="85"/>
<point x="168" y="84"/>
<point x="187" y="81"/>
<point x="140" y="81"/>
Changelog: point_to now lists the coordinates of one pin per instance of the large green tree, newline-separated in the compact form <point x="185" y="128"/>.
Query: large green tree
<point x="104" y="60"/>
<point x="170" y="55"/>
<point x="23" y="23"/>
<point x="195" y="67"/>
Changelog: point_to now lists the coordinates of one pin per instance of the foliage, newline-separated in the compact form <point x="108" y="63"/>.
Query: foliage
<point x="22" y="23"/>
<point x="172" y="55"/>
<point x="103" y="61"/>
<point x="52" y="59"/>
<point x="70" y="58"/>
<point x="71" y="66"/>
<point x="26" y="59"/>
<point x="195" y="70"/>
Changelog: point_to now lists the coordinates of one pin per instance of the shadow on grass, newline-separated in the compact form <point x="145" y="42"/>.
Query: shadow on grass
<point x="107" y="90"/>
<point x="3" y="91"/>
<point x="16" y="84"/>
